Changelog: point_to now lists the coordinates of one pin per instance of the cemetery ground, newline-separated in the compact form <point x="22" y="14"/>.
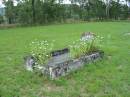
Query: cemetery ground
<point x="107" y="78"/>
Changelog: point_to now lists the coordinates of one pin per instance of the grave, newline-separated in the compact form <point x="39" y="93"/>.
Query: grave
<point x="60" y="64"/>
<point x="87" y="36"/>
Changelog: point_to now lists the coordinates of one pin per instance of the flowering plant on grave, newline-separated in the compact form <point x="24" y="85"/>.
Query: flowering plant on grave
<point x="83" y="47"/>
<point x="40" y="50"/>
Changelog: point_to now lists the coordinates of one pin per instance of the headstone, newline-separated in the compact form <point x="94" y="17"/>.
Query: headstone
<point x="59" y="56"/>
<point x="87" y="36"/>
<point x="29" y="63"/>
<point x="59" y="52"/>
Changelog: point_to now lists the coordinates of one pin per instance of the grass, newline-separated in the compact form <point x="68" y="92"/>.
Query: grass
<point x="107" y="78"/>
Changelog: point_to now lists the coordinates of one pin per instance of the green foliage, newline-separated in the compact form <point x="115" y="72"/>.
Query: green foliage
<point x="39" y="12"/>
<point x="10" y="11"/>
<point x="1" y="19"/>
<point x="83" y="47"/>
<point x="24" y="12"/>
<point x="40" y="50"/>
<point x="115" y="10"/>
<point x="80" y="47"/>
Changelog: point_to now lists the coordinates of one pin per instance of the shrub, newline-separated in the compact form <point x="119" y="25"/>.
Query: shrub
<point x="80" y="47"/>
<point x="40" y="50"/>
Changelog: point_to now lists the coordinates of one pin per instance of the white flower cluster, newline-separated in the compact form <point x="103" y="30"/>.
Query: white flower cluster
<point x="82" y="47"/>
<point x="40" y="50"/>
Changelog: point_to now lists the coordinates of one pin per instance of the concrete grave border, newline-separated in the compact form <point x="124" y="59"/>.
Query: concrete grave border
<point x="56" y="70"/>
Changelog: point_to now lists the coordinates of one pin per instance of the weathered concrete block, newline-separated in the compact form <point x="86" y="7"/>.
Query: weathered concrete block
<point x="61" y="69"/>
<point x="61" y="63"/>
<point x="30" y="62"/>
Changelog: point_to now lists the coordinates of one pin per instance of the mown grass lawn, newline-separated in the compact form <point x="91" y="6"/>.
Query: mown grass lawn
<point x="107" y="78"/>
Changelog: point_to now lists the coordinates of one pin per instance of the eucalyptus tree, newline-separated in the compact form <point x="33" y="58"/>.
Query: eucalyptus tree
<point x="39" y="12"/>
<point x="9" y="13"/>
<point x="60" y="1"/>
<point x="115" y="9"/>
<point x="96" y="9"/>
<point x="128" y="4"/>
<point x="24" y="10"/>
<point x="33" y="10"/>
<point x="47" y="11"/>
<point x="127" y="1"/>
<point x="1" y="19"/>
<point x="107" y="7"/>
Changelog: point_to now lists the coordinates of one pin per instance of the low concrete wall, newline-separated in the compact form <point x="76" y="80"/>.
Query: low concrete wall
<point x="62" y="69"/>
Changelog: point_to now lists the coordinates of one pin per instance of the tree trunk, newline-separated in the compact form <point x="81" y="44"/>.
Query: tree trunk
<point x="33" y="11"/>
<point x="107" y="8"/>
